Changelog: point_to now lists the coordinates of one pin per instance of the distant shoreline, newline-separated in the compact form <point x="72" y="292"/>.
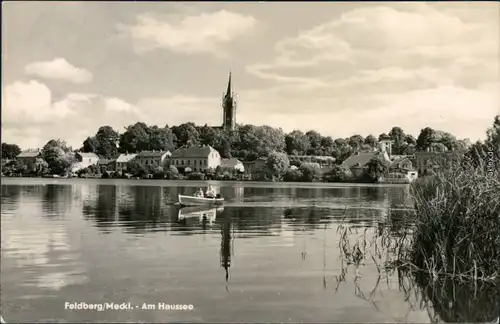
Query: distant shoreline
<point x="248" y="182"/>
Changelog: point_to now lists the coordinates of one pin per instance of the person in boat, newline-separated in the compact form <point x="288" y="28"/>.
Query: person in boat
<point x="199" y="193"/>
<point x="210" y="193"/>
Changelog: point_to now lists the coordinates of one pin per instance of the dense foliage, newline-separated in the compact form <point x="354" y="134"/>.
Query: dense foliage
<point x="249" y="142"/>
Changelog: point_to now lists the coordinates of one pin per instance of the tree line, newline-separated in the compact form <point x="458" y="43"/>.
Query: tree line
<point x="249" y="142"/>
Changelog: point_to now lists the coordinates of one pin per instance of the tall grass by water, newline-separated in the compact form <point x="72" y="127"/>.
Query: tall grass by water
<point x="457" y="223"/>
<point x="446" y="251"/>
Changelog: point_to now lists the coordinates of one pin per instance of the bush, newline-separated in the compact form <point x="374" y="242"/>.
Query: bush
<point x="158" y="172"/>
<point x="292" y="175"/>
<point x="195" y="176"/>
<point x="311" y="172"/>
<point x="458" y="224"/>
<point x="338" y="174"/>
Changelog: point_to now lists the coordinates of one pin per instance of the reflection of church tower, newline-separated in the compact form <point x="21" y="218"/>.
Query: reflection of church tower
<point x="225" y="246"/>
<point x="228" y="108"/>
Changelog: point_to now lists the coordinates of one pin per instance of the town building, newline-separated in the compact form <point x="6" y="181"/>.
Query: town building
<point x="253" y="167"/>
<point x="122" y="162"/>
<point x="196" y="158"/>
<point x="358" y="161"/>
<point x="233" y="164"/>
<point x="402" y="167"/>
<point x="429" y="162"/>
<point x="104" y="164"/>
<point x="152" y="158"/>
<point x="86" y="158"/>
<point x="31" y="159"/>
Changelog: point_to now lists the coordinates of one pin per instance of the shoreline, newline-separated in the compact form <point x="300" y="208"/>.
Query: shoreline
<point x="195" y="182"/>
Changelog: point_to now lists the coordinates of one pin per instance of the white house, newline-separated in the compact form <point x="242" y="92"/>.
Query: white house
<point x="233" y="164"/>
<point x="84" y="160"/>
<point x="152" y="158"/>
<point x="87" y="158"/>
<point x="196" y="158"/>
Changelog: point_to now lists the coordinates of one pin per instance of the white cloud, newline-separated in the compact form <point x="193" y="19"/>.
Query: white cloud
<point x="383" y="37"/>
<point x="31" y="101"/>
<point x="58" y="69"/>
<point x="377" y="67"/>
<point x="203" y="33"/>
<point x="30" y="117"/>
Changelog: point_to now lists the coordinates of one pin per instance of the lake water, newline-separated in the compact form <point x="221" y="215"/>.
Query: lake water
<point x="271" y="254"/>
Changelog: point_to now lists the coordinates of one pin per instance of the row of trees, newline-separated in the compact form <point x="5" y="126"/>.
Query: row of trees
<point x="249" y="142"/>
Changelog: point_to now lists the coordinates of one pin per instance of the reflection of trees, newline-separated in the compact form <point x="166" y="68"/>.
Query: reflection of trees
<point x="142" y="209"/>
<point x="248" y="219"/>
<point x="458" y="301"/>
<point x="136" y="208"/>
<point x="373" y="193"/>
<point x="310" y="218"/>
<point x="103" y="208"/>
<point x="10" y="197"/>
<point x="56" y="199"/>
<point x="443" y="296"/>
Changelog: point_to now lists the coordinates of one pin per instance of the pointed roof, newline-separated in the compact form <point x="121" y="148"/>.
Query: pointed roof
<point x="228" y="91"/>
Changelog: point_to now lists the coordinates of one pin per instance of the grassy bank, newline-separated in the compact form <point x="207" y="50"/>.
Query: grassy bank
<point x="457" y="223"/>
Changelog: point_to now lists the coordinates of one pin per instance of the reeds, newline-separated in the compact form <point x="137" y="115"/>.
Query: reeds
<point x="456" y="230"/>
<point x="446" y="252"/>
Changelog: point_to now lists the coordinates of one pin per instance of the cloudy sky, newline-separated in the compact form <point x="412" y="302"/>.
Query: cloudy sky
<point x="338" y="68"/>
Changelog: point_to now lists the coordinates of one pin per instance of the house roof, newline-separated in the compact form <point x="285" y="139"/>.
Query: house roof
<point x="194" y="152"/>
<point x="230" y="163"/>
<point x="124" y="158"/>
<point x="360" y="159"/>
<point x="28" y="154"/>
<point x="152" y="154"/>
<point x="88" y="155"/>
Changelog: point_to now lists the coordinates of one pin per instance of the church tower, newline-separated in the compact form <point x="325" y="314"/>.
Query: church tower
<point x="228" y="108"/>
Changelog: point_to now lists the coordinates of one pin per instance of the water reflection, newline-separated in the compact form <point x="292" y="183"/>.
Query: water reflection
<point x="203" y="215"/>
<point x="10" y="198"/>
<point x="56" y="200"/>
<point x="288" y="254"/>
<point x="455" y="301"/>
<point x="226" y="246"/>
<point x="101" y="207"/>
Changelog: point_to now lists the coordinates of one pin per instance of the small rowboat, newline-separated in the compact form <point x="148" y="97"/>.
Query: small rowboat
<point x="200" y="201"/>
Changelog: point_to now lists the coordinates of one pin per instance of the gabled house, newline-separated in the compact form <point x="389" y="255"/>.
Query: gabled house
<point x="86" y="158"/>
<point x="31" y="159"/>
<point x="252" y="167"/>
<point x="358" y="161"/>
<point x="404" y="167"/>
<point x="196" y="158"/>
<point x="233" y="164"/>
<point x="122" y="162"/>
<point x="429" y="162"/>
<point x="152" y="158"/>
<point x="104" y="164"/>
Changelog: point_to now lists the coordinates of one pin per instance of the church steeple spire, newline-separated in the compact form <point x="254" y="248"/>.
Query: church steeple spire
<point x="229" y="107"/>
<point x="228" y="92"/>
